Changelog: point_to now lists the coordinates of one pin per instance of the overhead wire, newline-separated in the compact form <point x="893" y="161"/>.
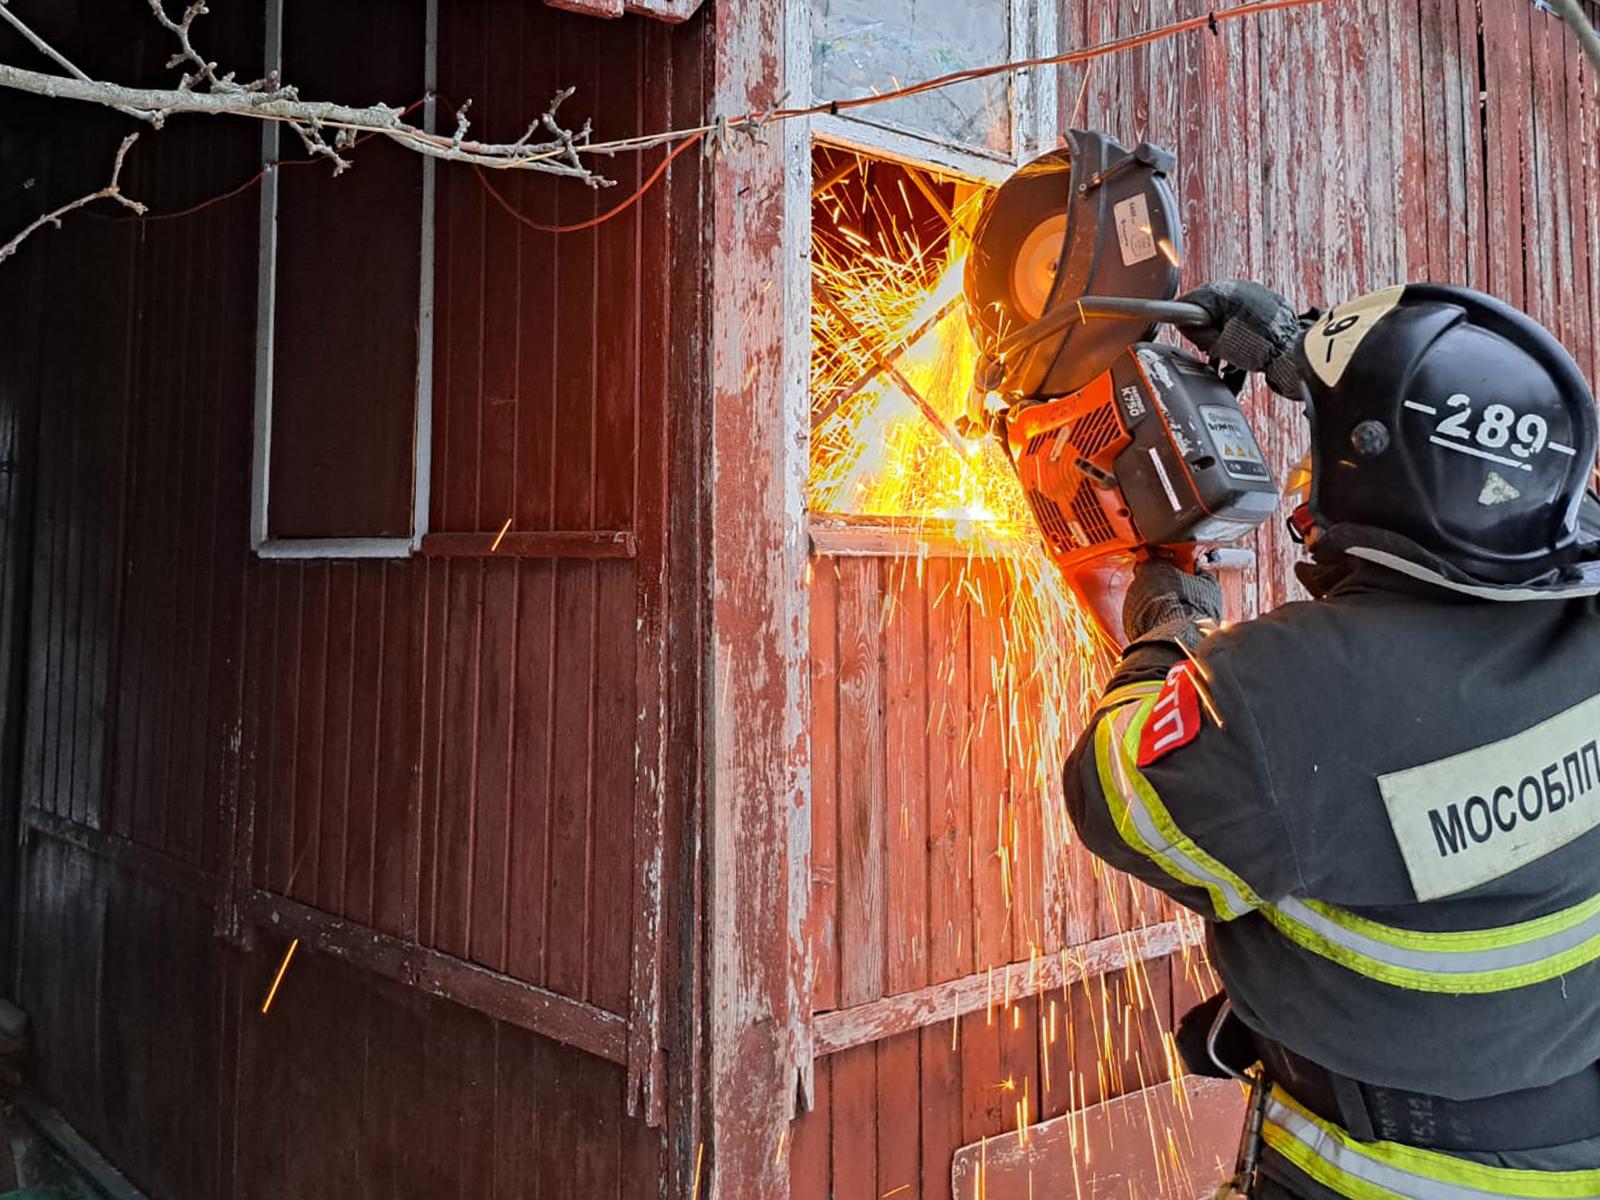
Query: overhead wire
<point x="751" y="123"/>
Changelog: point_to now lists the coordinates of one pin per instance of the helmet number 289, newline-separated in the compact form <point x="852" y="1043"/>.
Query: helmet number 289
<point x="1497" y="428"/>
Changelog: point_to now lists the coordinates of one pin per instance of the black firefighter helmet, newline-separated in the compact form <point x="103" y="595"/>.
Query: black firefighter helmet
<point x="1452" y="420"/>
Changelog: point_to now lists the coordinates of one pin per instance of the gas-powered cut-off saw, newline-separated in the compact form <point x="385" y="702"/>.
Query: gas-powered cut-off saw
<point x="1124" y="446"/>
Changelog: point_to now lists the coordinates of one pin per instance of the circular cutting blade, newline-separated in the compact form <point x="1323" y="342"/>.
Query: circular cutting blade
<point x="1033" y="276"/>
<point x="1089" y="218"/>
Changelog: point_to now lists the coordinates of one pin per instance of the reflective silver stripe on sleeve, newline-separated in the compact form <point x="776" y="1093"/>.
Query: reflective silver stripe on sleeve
<point x="1441" y="962"/>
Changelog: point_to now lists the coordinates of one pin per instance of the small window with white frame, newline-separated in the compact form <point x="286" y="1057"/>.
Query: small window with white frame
<point x="344" y="323"/>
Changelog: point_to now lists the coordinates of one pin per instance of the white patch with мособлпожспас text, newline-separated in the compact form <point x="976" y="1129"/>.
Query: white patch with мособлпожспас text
<point x="1483" y="813"/>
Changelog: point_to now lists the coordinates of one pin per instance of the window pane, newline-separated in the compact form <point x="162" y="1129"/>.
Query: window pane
<point x="867" y="46"/>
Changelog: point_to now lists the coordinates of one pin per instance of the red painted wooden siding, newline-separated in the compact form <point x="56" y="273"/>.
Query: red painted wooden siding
<point x="444" y="750"/>
<point x="1325" y="152"/>
<point x="477" y="714"/>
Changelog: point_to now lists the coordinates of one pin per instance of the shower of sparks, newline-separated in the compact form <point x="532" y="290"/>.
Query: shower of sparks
<point x="892" y="364"/>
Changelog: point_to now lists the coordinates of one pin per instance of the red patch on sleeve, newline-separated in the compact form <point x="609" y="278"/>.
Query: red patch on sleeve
<point x="1175" y="719"/>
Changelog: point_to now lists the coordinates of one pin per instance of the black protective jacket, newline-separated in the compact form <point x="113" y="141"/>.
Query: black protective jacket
<point x="1386" y="801"/>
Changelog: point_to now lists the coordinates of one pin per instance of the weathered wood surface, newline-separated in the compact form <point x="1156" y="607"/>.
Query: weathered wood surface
<point x="855" y="1026"/>
<point x="1326" y="153"/>
<point x="758" y="828"/>
<point x="1172" y="1141"/>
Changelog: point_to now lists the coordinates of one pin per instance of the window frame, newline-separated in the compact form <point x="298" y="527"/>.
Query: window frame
<point x="1035" y="118"/>
<point x="262" y="544"/>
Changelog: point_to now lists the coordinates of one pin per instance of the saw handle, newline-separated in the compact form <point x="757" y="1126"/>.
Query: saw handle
<point x="1054" y="320"/>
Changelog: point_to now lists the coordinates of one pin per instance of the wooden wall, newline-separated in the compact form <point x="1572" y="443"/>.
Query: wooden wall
<point x="444" y="773"/>
<point x="1326" y="152"/>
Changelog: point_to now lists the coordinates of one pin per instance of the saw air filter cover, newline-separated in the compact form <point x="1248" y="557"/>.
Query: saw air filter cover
<point x="1040" y="243"/>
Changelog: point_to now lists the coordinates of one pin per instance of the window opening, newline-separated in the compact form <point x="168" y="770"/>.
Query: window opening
<point x="892" y="357"/>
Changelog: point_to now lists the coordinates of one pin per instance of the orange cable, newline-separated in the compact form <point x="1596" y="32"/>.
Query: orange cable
<point x="603" y="217"/>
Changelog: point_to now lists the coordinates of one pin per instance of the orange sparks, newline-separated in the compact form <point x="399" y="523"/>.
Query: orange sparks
<point x="699" y="1158"/>
<point x="283" y="967"/>
<point x="501" y="536"/>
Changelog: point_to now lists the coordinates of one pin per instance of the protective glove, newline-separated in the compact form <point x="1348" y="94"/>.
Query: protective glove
<point x="1251" y="327"/>
<point x="1164" y="601"/>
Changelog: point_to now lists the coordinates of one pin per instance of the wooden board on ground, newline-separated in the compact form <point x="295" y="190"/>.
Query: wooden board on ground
<point x="1161" y="1143"/>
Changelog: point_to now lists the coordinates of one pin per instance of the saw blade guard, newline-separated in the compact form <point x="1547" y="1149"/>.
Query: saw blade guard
<point x="1089" y="219"/>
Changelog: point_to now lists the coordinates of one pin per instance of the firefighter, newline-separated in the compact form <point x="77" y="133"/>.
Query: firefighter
<point x="1385" y="800"/>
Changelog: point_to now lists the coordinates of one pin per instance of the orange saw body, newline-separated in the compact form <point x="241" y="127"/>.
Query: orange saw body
<point x="1125" y="447"/>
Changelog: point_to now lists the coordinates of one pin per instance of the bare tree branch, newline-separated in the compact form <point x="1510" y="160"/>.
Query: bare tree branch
<point x="112" y="191"/>
<point x="559" y="156"/>
<point x="203" y="90"/>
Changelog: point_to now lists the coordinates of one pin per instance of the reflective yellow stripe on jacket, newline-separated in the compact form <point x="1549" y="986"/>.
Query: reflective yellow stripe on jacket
<point x="1467" y="961"/>
<point x="1390" y="1171"/>
<point x="1142" y="820"/>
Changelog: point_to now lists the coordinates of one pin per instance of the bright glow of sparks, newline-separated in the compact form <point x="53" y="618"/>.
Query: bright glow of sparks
<point x="891" y="369"/>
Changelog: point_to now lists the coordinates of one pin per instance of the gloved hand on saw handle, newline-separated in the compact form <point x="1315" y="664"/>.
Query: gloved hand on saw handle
<point x="1164" y="603"/>
<point x="1252" y="328"/>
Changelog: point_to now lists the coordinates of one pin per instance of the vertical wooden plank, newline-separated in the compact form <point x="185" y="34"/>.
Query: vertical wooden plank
<point x="1505" y="41"/>
<point x="309" y="734"/>
<point x="397" y="776"/>
<point x="572" y="747"/>
<point x="464" y="217"/>
<point x="861" y="782"/>
<point x="905" y="837"/>
<point x="654" y="396"/>
<point x="362" y="798"/>
<point x="340" y="715"/>
<point x="1472" y="96"/>
<point x="500" y="59"/>
<point x="811" y="1156"/>
<point x="1543" y="176"/>
<point x="824" y="729"/>
<point x="950" y="943"/>
<point x="941" y="1110"/>
<point x="532" y="755"/>
<point x="986" y="749"/>
<point x="613" y="849"/>
<point x="897" y="1100"/>
<point x="435" y="662"/>
<point x="458" y="730"/>
<point x="1294" y="55"/>
<point x="491" y="797"/>
<point x="856" y="1113"/>
<point x="540" y="296"/>
<point x="619" y="267"/>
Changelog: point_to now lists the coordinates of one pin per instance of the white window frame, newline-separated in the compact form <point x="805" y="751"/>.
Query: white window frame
<point x="1034" y="117"/>
<point x="266" y="299"/>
